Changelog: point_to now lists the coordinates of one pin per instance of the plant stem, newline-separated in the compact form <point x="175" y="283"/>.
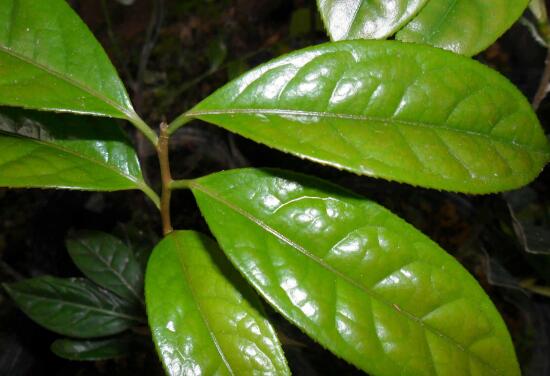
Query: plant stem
<point x="179" y="122"/>
<point x="166" y="177"/>
<point x="181" y="184"/>
<point x="144" y="128"/>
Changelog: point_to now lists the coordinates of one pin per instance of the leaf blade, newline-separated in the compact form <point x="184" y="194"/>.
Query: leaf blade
<point x="359" y="19"/>
<point x="464" y="27"/>
<point x="72" y="307"/>
<point x="64" y="151"/>
<point x="402" y="112"/>
<point x="53" y="62"/>
<point x="107" y="261"/>
<point x="93" y="350"/>
<point x="192" y="333"/>
<point x="353" y="276"/>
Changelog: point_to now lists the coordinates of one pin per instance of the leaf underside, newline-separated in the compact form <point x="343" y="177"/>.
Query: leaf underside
<point x="353" y="276"/>
<point x="398" y="111"/>
<point x="72" y="307"/>
<point x="462" y="26"/>
<point x="203" y="317"/>
<point x="49" y="60"/>
<point x="65" y="151"/>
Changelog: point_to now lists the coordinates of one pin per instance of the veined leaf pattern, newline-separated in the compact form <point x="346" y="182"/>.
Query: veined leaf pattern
<point x="49" y="60"/>
<point x="403" y="112"/>
<point x="204" y="318"/>
<point x="368" y="19"/>
<point x="355" y="277"/>
<point x="65" y="151"/>
<point x="462" y="26"/>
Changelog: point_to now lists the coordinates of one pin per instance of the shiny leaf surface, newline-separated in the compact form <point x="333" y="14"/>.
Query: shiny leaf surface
<point x="107" y="261"/>
<point x="205" y="320"/>
<point x="65" y="151"/>
<point x="50" y="60"/>
<point x="86" y="350"/>
<point x="403" y="112"/>
<point x="367" y="19"/>
<point x="72" y="307"/>
<point x="353" y="276"/>
<point x="462" y="26"/>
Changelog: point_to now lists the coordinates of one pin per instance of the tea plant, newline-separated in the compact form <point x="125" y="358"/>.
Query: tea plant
<point x="353" y="276"/>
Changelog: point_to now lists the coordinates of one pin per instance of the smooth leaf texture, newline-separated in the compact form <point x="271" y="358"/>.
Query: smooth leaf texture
<point x="353" y="276"/>
<point x="107" y="261"/>
<point x="49" y="60"/>
<point x="403" y="112"/>
<point x="65" y="151"/>
<point x="462" y="26"/>
<point x="366" y="19"/>
<point x="205" y="320"/>
<point x="94" y="350"/>
<point x="72" y="307"/>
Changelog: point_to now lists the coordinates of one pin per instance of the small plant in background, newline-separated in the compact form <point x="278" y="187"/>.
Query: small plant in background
<point x="353" y="276"/>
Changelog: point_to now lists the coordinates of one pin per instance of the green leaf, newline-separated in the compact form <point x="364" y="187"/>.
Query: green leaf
<point x="353" y="276"/>
<point x="366" y="19"/>
<point x="204" y="318"/>
<point x="72" y="307"/>
<point x="403" y="112"/>
<point x="49" y="60"/>
<point x="66" y="151"/>
<point x="107" y="261"/>
<point x="93" y="350"/>
<point x="462" y="26"/>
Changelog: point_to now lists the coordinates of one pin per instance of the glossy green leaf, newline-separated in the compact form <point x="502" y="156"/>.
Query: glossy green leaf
<point x="403" y="112"/>
<point x="366" y="19"/>
<point x="107" y="261"/>
<point x="49" y="60"/>
<point x="204" y="318"/>
<point x="72" y="307"/>
<point x="353" y="276"/>
<point x="66" y="151"/>
<point x="91" y="350"/>
<point x="462" y="26"/>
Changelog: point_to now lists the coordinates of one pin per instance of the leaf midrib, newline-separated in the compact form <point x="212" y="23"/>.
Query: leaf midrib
<point x="129" y="114"/>
<point x="334" y="115"/>
<point x="111" y="268"/>
<point x="139" y="184"/>
<point x="80" y="306"/>
<point x="199" y="308"/>
<point x="373" y="295"/>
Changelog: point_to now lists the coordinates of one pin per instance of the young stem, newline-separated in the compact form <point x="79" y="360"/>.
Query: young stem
<point x="178" y="122"/>
<point x="166" y="177"/>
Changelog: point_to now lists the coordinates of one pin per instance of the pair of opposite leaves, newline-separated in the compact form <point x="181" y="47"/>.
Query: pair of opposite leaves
<point x="400" y="108"/>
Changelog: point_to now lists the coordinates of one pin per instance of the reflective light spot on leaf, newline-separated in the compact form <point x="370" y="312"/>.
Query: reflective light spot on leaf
<point x="271" y="201"/>
<point x="288" y="283"/>
<point x="309" y="309"/>
<point x="345" y="90"/>
<point x="171" y="327"/>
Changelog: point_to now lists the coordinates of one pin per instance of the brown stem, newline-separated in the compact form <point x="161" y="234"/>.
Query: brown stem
<point x="544" y="82"/>
<point x="166" y="177"/>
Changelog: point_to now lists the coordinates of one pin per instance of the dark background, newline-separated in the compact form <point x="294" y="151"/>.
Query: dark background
<point x="172" y="53"/>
